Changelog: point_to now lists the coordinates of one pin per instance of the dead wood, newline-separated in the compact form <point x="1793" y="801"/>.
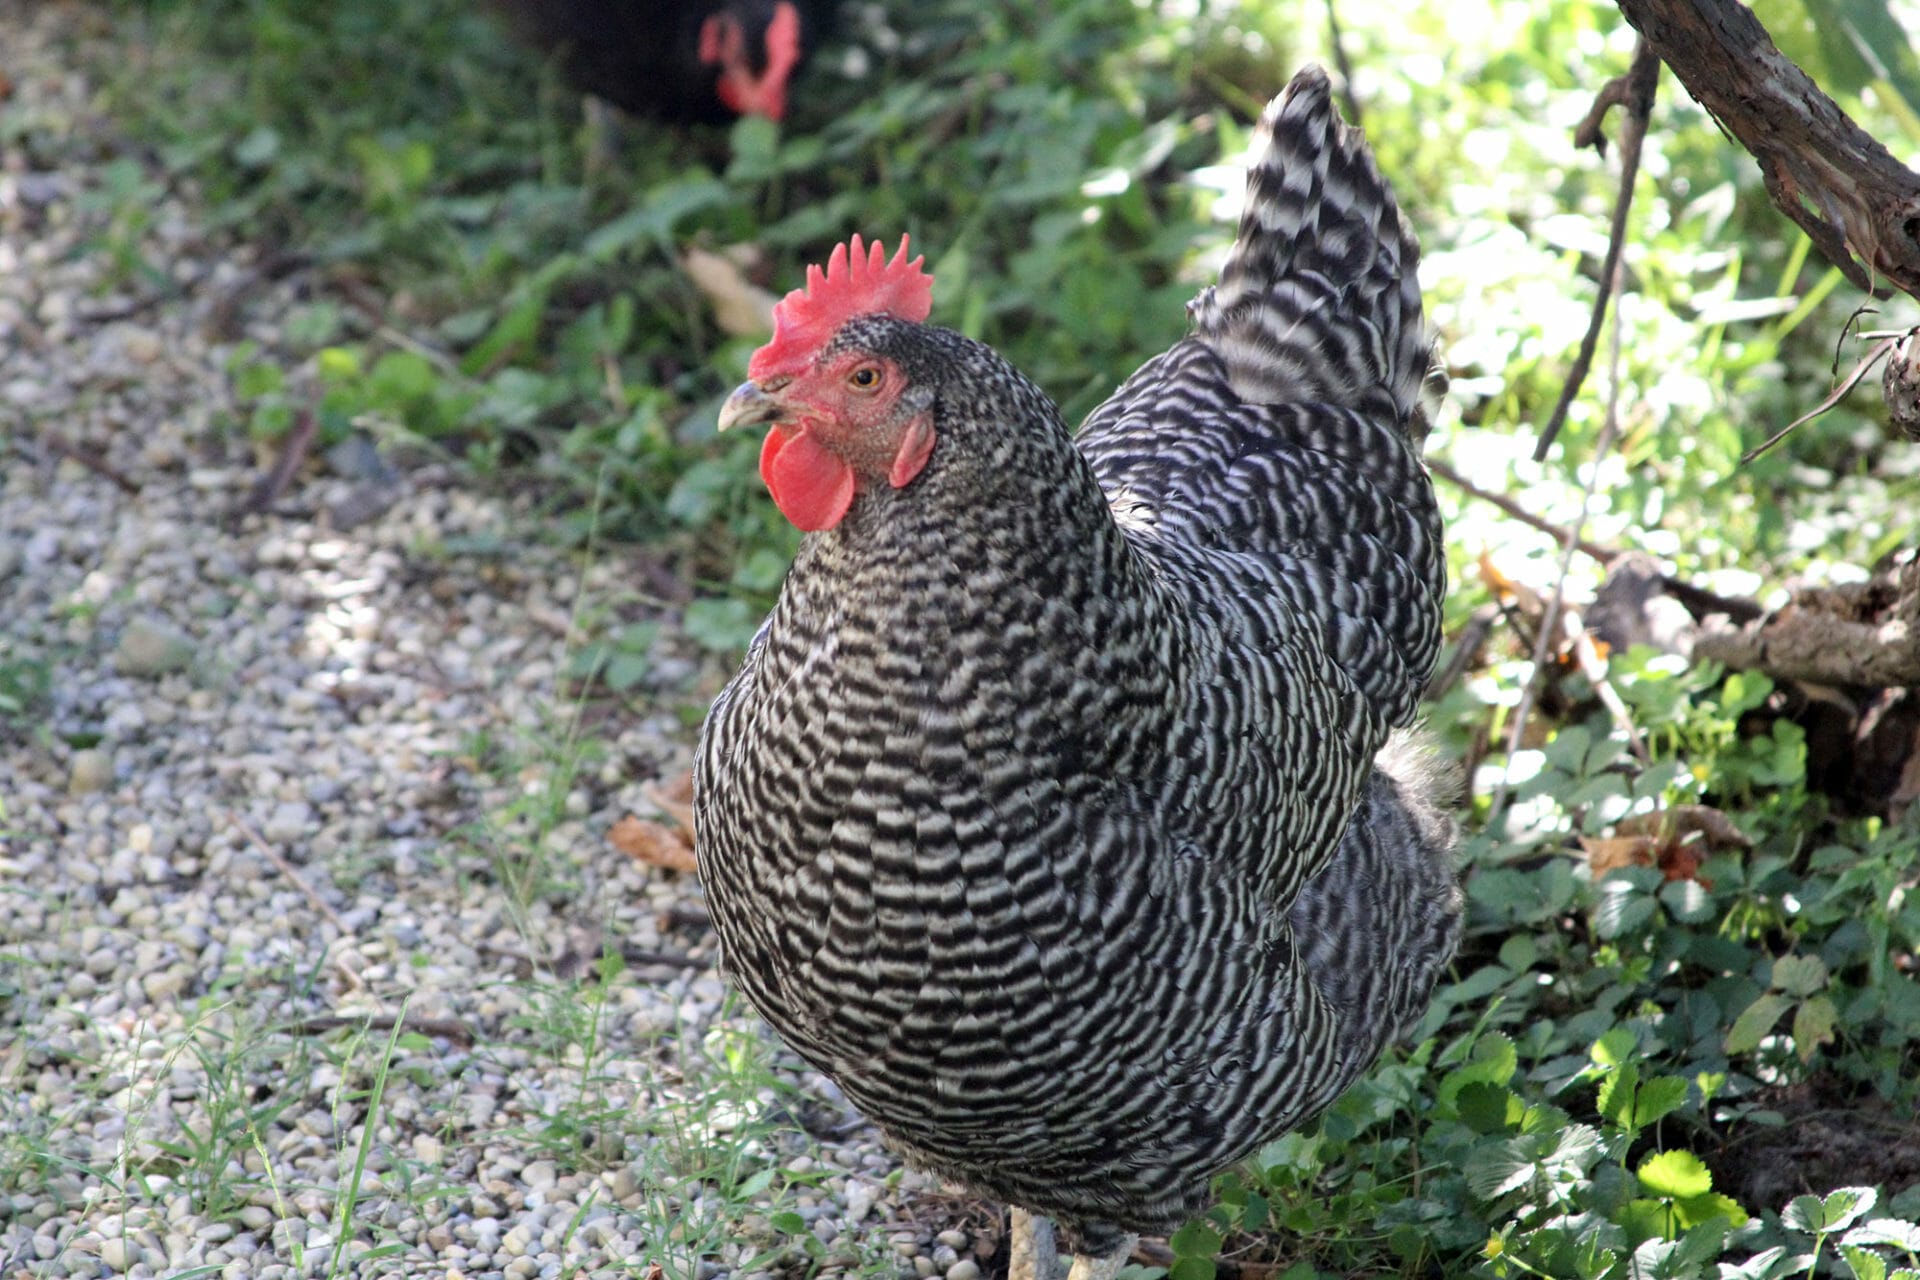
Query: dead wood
<point x="1855" y="635"/>
<point x="1860" y="206"/>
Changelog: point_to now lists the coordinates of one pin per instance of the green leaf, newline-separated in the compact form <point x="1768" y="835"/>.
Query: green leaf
<point x="722" y="625"/>
<point x="258" y="149"/>
<point x="1800" y="975"/>
<point x="1703" y="1241"/>
<point x="1674" y="1175"/>
<point x="1813" y="1024"/>
<point x="1198" y="1239"/>
<point x="1904" y="1236"/>
<point x="1695" y="1210"/>
<point x="698" y="495"/>
<point x="654" y="221"/>
<point x="516" y="328"/>
<point x="1494" y="1168"/>
<point x="1494" y="1061"/>
<point x="1755" y="1021"/>
<point x="788" y="1222"/>
<point x="1520" y="952"/>
<point x="1658" y="1097"/>
<point x="1192" y="1269"/>
<point x="1845" y="1206"/>
<point x="1614" y="1048"/>
<point x="1485" y="1108"/>
<point x="1644" y="1220"/>
<point x="1839" y="1209"/>
<point x="1623" y="908"/>
<point x="1866" y="1264"/>
<point x="626" y="670"/>
<point x="1615" y="1100"/>
<point x="399" y="379"/>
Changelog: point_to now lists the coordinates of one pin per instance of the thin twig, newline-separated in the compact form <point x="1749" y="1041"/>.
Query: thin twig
<point x="1339" y="44"/>
<point x="1834" y="397"/>
<point x="451" y="1028"/>
<point x="1599" y="551"/>
<point x="1698" y="600"/>
<point x="1635" y="92"/>
<point x="285" y="868"/>
<point x="293" y="451"/>
<point x="92" y="462"/>
<point x="1465" y="647"/>
<point x="1594" y="667"/>
<point x="1550" y="625"/>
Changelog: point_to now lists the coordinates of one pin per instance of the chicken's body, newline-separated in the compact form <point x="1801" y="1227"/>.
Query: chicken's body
<point x="1028" y="817"/>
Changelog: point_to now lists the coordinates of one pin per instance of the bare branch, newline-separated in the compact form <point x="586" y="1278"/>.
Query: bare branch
<point x="1634" y="91"/>
<point x="1698" y="600"/>
<point x="1334" y="38"/>
<point x="1834" y="397"/>
<point x="1860" y="206"/>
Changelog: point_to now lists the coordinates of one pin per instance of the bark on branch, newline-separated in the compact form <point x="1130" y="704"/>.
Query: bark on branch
<point x="1860" y="206"/>
<point x="1865" y="634"/>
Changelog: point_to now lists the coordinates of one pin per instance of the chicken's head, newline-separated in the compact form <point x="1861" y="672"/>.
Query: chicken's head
<point x="844" y="414"/>
<point x="755" y="52"/>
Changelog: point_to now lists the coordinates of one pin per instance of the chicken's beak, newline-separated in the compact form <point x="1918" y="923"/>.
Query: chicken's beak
<point x="749" y="404"/>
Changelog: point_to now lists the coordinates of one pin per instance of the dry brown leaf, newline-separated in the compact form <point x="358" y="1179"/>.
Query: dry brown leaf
<point x="1610" y="853"/>
<point x="1682" y="862"/>
<point x="654" y="843"/>
<point x="740" y="307"/>
<point x="1676" y="840"/>
<point x="1510" y="590"/>
<point x="674" y="797"/>
<point x="1714" y="828"/>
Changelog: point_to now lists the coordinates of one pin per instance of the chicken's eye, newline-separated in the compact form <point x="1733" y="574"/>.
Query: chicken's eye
<point x="866" y="377"/>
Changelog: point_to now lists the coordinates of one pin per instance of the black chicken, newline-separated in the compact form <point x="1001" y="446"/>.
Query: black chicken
<point x="709" y="60"/>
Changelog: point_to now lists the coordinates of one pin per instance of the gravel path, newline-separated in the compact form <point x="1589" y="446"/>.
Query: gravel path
<point x="314" y="956"/>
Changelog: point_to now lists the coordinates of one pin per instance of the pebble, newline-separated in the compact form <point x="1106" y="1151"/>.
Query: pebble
<point x="288" y="822"/>
<point x="149" y="648"/>
<point x="120" y="1253"/>
<point x="89" y="770"/>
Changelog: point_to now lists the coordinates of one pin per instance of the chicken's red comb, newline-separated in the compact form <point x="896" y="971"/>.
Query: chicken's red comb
<point x="859" y="283"/>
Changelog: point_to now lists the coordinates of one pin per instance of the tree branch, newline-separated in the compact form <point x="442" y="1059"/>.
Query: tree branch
<point x="1860" y="206"/>
<point x="1633" y="91"/>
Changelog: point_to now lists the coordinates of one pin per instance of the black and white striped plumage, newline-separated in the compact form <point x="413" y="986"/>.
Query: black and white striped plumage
<point x="1045" y="814"/>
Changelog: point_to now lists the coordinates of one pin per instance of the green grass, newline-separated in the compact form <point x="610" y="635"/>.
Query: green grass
<point x="1607" y="1047"/>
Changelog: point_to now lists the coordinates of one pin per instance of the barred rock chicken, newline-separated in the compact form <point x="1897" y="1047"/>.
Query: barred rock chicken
<point x="1054" y="814"/>
<point x="677" y="60"/>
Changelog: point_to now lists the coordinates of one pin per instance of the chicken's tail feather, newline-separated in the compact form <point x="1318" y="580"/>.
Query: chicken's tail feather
<point x="1320" y="298"/>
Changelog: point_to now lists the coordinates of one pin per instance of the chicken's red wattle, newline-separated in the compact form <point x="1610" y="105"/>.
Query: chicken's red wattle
<point x="811" y="486"/>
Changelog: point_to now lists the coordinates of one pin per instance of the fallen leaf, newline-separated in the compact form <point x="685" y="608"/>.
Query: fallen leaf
<point x="654" y="843"/>
<point x="740" y="307"/>
<point x="673" y="798"/>
<point x="1681" y="821"/>
<point x="1509" y="589"/>
<point x="1675" y="840"/>
<point x="1610" y="853"/>
<point x="1682" y="862"/>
